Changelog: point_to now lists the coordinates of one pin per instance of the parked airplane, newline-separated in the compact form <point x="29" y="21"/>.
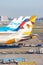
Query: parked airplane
<point x="18" y="29"/>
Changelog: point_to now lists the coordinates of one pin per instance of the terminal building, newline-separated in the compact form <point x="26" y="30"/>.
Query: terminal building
<point x="4" y="18"/>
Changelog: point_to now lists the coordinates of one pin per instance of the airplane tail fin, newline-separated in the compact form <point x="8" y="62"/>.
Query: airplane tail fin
<point x="15" y="23"/>
<point x="33" y="18"/>
<point x="12" y="22"/>
<point x="29" y="25"/>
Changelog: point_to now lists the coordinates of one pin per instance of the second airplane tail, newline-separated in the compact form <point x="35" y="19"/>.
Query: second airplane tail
<point x="28" y="25"/>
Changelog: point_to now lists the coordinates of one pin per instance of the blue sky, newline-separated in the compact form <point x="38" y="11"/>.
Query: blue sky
<point x="15" y="8"/>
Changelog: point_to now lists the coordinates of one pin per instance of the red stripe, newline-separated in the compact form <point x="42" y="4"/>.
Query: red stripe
<point x="22" y="24"/>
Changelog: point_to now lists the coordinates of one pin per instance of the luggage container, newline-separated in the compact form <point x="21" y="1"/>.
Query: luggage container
<point x="19" y="60"/>
<point x="41" y="50"/>
<point x="1" y="59"/>
<point x="31" y="51"/>
<point x="27" y="63"/>
<point x="39" y="45"/>
<point x="5" y="61"/>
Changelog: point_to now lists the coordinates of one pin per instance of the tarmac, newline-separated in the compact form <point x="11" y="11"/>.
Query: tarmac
<point x="38" y="58"/>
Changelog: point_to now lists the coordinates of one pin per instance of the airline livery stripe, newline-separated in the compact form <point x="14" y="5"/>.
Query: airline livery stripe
<point x="26" y="20"/>
<point x="22" y="24"/>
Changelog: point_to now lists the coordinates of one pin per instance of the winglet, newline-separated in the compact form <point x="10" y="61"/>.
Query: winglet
<point x="33" y="18"/>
